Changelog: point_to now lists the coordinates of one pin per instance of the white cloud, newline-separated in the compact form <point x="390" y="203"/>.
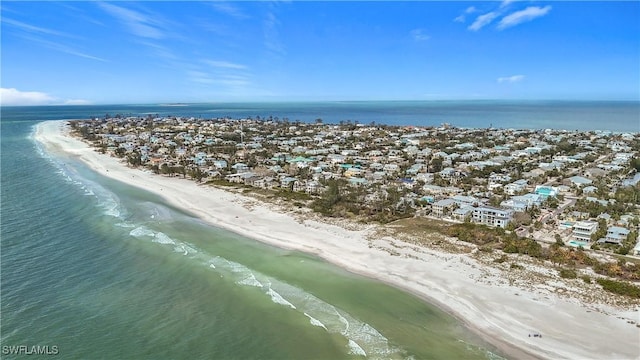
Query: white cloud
<point x="521" y="16"/>
<point x="200" y="77"/>
<point x="462" y="18"/>
<point x="35" y="29"/>
<point x="271" y="35"/>
<point x="511" y="79"/>
<point x="229" y="9"/>
<point x="15" y="97"/>
<point x="225" y="64"/>
<point x="419" y="35"/>
<point x="483" y="20"/>
<point x="63" y="48"/>
<point x="506" y="3"/>
<point x="77" y="102"/>
<point x="139" y="24"/>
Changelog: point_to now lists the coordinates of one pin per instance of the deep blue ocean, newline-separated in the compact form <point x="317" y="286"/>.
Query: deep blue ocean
<point x="101" y="270"/>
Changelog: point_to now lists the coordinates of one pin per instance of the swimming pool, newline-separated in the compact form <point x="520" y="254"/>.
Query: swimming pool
<point x="578" y="243"/>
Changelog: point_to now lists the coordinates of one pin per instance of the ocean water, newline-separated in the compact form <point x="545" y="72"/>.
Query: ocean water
<point x="96" y="269"/>
<point x="617" y="116"/>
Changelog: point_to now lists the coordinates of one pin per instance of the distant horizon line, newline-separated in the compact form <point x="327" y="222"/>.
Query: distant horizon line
<point x="184" y="103"/>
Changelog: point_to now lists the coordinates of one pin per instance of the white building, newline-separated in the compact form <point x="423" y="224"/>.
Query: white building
<point x="582" y="230"/>
<point x="491" y="216"/>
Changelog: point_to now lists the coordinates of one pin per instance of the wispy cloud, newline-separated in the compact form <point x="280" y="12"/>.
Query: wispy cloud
<point x="15" y="97"/>
<point x="224" y="74"/>
<point x="37" y="34"/>
<point x="462" y="17"/>
<point x="228" y="80"/>
<point x="522" y="16"/>
<point x="199" y="77"/>
<point x="510" y="79"/>
<point x="53" y="45"/>
<point x="159" y="50"/>
<point x="229" y="9"/>
<point x="224" y="64"/>
<point x="271" y="34"/>
<point x="483" y="20"/>
<point x="506" y="3"/>
<point x="78" y="13"/>
<point x="419" y="35"/>
<point x="137" y="23"/>
<point x="35" y="29"/>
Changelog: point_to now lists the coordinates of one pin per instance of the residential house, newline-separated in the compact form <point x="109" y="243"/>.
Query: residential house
<point x="515" y="187"/>
<point x="582" y="230"/>
<point x="442" y="207"/>
<point x="462" y="200"/>
<point x="615" y="235"/>
<point x="463" y="213"/>
<point x="491" y="216"/>
<point x="579" y="181"/>
<point x="515" y="205"/>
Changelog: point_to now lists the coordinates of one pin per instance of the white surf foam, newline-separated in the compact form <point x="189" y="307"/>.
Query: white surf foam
<point x="278" y="299"/>
<point x="315" y="322"/>
<point x="250" y="281"/>
<point x="355" y="349"/>
<point x="162" y="238"/>
<point x="141" y="231"/>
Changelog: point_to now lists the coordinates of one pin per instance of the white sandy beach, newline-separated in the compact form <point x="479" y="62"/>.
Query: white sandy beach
<point x="502" y="314"/>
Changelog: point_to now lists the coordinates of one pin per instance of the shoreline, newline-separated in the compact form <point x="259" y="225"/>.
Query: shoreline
<point x="501" y="314"/>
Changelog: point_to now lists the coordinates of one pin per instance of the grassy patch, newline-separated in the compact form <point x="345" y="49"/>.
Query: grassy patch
<point x="620" y="287"/>
<point x="568" y="273"/>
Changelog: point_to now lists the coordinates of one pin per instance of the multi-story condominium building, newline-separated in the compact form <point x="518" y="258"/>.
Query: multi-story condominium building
<point x="582" y="230"/>
<point x="492" y="216"/>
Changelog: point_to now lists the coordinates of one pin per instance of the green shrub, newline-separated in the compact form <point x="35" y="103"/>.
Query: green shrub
<point x="586" y="279"/>
<point x="568" y="274"/>
<point x="620" y="287"/>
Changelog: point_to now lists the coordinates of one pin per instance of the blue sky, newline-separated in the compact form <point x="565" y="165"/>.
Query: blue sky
<point x="76" y="52"/>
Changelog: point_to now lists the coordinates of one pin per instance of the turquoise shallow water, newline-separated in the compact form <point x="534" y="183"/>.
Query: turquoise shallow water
<point x="102" y="270"/>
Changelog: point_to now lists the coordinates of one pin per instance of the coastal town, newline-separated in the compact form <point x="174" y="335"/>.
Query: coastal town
<point x="518" y="191"/>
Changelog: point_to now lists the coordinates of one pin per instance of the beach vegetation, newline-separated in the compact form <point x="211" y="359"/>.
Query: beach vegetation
<point x="620" y="287"/>
<point x="568" y="273"/>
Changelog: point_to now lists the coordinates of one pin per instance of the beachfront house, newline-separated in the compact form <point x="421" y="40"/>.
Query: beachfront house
<point x="515" y="205"/>
<point x="582" y="230"/>
<point x="463" y="213"/>
<point x="492" y="216"/>
<point x="442" y="207"/>
<point x="615" y="235"/>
